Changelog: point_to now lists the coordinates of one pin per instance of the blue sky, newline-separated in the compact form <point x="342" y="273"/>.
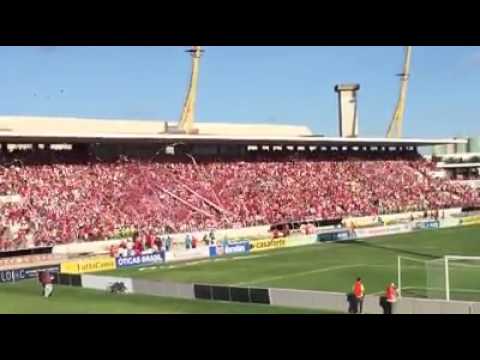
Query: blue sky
<point x="247" y="84"/>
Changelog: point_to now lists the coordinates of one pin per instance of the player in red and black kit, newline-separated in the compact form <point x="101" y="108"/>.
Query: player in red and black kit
<point x="46" y="279"/>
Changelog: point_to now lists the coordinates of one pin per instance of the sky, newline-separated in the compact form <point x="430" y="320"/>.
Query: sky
<point x="279" y="85"/>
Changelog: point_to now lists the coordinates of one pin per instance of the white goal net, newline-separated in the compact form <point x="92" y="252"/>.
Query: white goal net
<point x="448" y="278"/>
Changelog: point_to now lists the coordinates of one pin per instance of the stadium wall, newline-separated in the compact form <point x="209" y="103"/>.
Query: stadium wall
<point x="383" y="230"/>
<point x="433" y="307"/>
<point x="302" y="299"/>
<point x="180" y="291"/>
<point x="182" y="254"/>
<point x="448" y="223"/>
<point x="29" y="261"/>
<point x="104" y="283"/>
<point x="101" y="247"/>
<point x="366" y="221"/>
<point x="94" y="247"/>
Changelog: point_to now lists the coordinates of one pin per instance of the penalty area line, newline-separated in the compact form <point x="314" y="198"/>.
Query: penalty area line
<point x="305" y="273"/>
<point x="299" y="274"/>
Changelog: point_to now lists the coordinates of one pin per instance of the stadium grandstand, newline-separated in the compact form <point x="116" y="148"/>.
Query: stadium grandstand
<point x="76" y="180"/>
<point x="67" y="180"/>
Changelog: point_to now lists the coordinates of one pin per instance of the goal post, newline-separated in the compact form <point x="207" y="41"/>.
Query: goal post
<point x="411" y="277"/>
<point x="448" y="278"/>
<point x="462" y="277"/>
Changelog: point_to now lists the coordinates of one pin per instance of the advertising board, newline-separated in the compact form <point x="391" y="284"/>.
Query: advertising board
<point x="185" y="255"/>
<point x="301" y="240"/>
<point x="26" y="261"/>
<point x="341" y="235"/>
<point x="25" y="274"/>
<point x="470" y="220"/>
<point x="383" y="230"/>
<point x="267" y="244"/>
<point x="240" y="247"/>
<point x="427" y="225"/>
<point x="450" y="222"/>
<point x="150" y="259"/>
<point x="88" y="265"/>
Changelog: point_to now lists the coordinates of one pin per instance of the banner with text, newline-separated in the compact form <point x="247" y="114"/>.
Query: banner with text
<point x="383" y="230"/>
<point x="470" y="220"/>
<point x="141" y="260"/>
<point x="301" y="240"/>
<point x="427" y="225"/>
<point x="334" y="236"/>
<point x="88" y="265"/>
<point x="240" y="247"/>
<point x="25" y="274"/>
<point x="267" y="244"/>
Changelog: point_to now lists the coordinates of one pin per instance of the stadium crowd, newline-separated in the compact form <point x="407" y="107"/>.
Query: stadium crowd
<point x="63" y="201"/>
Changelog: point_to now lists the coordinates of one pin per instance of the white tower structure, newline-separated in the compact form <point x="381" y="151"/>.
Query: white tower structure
<point x="348" y="110"/>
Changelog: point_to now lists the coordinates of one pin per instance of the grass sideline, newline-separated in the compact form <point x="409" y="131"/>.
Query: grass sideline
<point x="328" y="267"/>
<point x="25" y="298"/>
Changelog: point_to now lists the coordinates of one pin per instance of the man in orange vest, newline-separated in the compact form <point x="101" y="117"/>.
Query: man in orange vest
<point x="358" y="294"/>
<point x="391" y="298"/>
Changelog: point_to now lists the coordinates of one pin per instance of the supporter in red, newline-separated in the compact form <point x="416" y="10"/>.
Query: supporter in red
<point x="150" y="241"/>
<point x="79" y="200"/>
<point x="138" y="245"/>
<point x="159" y="242"/>
<point x="113" y="251"/>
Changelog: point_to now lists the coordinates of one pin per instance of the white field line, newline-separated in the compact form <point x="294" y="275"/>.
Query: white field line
<point x="321" y="247"/>
<point x="186" y="264"/>
<point x="473" y="291"/>
<point x="148" y="268"/>
<point x="304" y="273"/>
<point x="214" y="260"/>
<point x="247" y="257"/>
<point x="299" y="274"/>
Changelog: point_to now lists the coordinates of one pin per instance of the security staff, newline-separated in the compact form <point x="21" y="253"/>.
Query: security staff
<point x="391" y="298"/>
<point x="358" y="294"/>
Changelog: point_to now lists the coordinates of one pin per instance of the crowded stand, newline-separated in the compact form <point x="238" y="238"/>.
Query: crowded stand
<point x="62" y="198"/>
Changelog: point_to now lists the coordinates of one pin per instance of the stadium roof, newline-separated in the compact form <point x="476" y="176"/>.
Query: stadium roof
<point x="458" y="166"/>
<point x="71" y="130"/>
<point x="37" y="125"/>
<point x="58" y="138"/>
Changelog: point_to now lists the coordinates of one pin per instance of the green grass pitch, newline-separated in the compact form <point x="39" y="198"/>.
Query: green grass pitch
<point x="334" y="267"/>
<point x="329" y="267"/>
